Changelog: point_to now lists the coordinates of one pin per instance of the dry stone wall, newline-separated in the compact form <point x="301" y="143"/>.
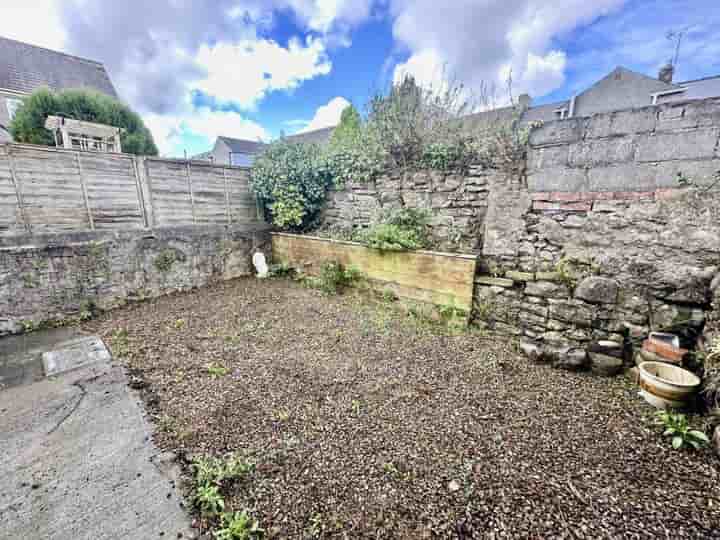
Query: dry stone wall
<point x="458" y="202"/>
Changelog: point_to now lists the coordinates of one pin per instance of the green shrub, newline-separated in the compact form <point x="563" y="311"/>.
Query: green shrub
<point x="678" y="429"/>
<point x="28" y="125"/>
<point x="400" y="229"/>
<point x="291" y="180"/>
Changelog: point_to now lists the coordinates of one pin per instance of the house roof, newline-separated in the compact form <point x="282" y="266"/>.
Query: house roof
<point x="700" y="88"/>
<point x="24" y="68"/>
<point x="317" y="136"/>
<point x="242" y="146"/>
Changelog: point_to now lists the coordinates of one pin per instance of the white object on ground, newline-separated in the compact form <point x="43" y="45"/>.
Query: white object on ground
<point x="260" y="264"/>
<point x="667" y="386"/>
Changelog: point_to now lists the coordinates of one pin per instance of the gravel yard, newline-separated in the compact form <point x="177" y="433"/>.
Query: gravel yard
<point x="365" y="424"/>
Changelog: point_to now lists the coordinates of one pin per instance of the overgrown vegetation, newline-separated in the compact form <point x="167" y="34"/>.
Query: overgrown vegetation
<point x="679" y="430"/>
<point x="291" y="180"/>
<point x="28" y="125"/>
<point x="213" y="477"/>
<point x="407" y="127"/>
<point x="398" y="229"/>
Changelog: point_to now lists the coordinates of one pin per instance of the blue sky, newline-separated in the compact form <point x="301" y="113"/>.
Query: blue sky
<point x="252" y="69"/>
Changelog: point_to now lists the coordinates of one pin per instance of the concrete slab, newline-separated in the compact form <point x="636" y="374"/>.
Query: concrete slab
<point x="21" y="356"/>
<point x="77" y="462"/>
<point x="74" y="355"/>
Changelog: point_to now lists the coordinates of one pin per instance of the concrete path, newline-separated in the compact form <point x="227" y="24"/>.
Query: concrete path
<point x="76" y="459"/>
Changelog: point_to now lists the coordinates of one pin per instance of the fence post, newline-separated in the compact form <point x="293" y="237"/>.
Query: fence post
<point x="18" y="190"/>
<point x="190" y="191"/>
<point x="145" y="179"/>
<point x="139" y="188"/>
<point x="86" y="199"/>
<point x="228" y="211"/>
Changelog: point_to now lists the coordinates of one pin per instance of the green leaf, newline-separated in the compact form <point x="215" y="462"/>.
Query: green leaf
<point x="677" y="442"/>
<point x="668" y="432"/>
<point x="699" y="435"/>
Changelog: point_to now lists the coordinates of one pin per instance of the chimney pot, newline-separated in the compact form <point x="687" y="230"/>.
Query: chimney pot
<point x="666" y="73"/>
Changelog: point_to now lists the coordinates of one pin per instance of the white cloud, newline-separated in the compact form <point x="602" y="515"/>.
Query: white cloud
<point x="36" y="22"/>
<point x="327" y="115"/>
<point x="246" y="71"/>
<point x="479" y="43"/>
<point x="323" y="15"/>
<point x="201" y="126"/>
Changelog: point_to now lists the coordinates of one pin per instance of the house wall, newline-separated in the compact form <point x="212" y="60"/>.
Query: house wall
<point x="220" y="153"/>
<point x="620" y="90"/>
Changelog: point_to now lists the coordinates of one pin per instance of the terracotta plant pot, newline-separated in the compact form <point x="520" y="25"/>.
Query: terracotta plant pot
<point x="667" y="386"/>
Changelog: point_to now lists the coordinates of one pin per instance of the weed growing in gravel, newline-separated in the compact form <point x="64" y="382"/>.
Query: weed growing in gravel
<point x="216" y="471"/>
<point x="211" y="475"/>
<point x="119" y="343"/>
<point x="678" y="428"/>
<point x="356" y="407"/>
<point x="281" y="270"/>
<point x="316" y="525"/>
<point x="209" y="500"/>
<point x="179" y="324"/>
<point x="217" y="371"/>
<point x="238" y="526"/>
<point x="165" y="260"/>
<point x="335" y="277"/>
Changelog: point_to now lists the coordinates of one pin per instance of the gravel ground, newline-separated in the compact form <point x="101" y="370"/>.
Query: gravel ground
<point x="364" y="424"/>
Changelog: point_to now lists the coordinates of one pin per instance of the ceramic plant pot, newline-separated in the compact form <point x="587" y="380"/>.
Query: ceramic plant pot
<point x="667" y="386"/>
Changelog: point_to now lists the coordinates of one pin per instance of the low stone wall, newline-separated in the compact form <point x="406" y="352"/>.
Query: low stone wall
<point x="458" y="202"/>
<point x="55" y="277"/>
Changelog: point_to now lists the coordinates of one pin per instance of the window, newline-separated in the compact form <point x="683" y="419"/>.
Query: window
<point x="12" y="105"/>
<point x="238" y="159"/>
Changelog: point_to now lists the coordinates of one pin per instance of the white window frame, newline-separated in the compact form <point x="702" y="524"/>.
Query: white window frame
<point x="12" y="105"/>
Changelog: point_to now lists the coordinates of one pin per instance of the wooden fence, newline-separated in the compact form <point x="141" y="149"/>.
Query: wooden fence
<point x="45" y="189"/>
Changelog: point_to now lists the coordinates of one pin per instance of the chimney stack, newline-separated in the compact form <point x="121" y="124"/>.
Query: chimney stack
<point x="524" y="101"/>
<point x="666" y="73"/>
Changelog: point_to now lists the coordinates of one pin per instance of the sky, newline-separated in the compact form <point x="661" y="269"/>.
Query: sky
<point x="255" y="69"/>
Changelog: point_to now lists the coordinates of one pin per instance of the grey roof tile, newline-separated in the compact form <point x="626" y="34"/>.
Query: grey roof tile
<point x="24" y="68"/>
<point x="243" y="146"/>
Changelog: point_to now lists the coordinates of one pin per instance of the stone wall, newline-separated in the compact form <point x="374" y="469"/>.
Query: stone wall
<point x="458" y="202"/>
<point x="51" y="278"/>
<point x="612" y="230"/>
<point x="640" y="150"/>
<point x="566" y="279"/>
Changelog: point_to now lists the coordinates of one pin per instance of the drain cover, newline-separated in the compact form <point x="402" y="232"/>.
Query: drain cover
<point x="74" y="354"/>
